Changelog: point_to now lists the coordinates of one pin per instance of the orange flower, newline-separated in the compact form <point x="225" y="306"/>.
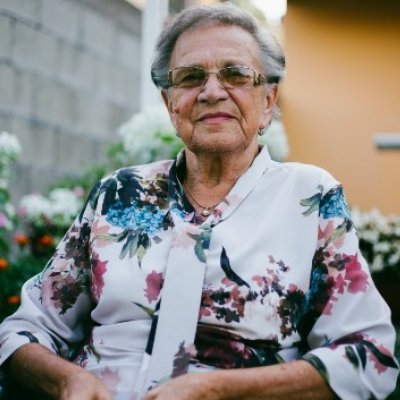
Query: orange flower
<point x="3" y="263"/>
<point x="15" y="299"/>
<point x="46" y="240"/>
<point x="21" y="239"/>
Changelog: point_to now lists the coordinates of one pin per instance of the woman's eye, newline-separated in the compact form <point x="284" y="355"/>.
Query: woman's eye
<point x="192" y="79"/>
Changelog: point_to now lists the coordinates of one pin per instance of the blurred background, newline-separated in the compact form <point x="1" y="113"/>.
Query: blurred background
<point x="76" y="102"/>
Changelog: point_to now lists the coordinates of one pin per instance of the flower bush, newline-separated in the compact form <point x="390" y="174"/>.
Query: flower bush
<point x="46" y="218"/>
<point x="9" y="152"/>
<point x="379" y="237"/>
<point x="15" y="265"/>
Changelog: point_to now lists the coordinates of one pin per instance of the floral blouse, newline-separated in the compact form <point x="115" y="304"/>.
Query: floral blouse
<point x="283" y="279"/>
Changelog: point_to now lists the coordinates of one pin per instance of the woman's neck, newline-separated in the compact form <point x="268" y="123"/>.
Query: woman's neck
<point x="209" y="170"/>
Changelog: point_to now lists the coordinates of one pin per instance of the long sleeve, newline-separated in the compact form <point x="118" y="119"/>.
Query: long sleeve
<point x="345" y="322"/>
<point x="56" y="303"/>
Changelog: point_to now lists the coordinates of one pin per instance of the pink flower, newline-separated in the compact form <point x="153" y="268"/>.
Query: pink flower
<point x="340" y="284"/>
<point x="3" y="220"/>
<point x="99" y="268"/>
<point x="111" y="379"/>
<point x="22" y="212"/>
<point x="377" y="364"/>
<point x="258" y="279"/>
<point x="357" y="277"/>
<point x="78" y="191"/>
<point x="154" y="282"/>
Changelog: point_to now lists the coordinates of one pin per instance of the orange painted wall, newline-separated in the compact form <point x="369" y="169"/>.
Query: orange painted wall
<point x="342" y="87"/>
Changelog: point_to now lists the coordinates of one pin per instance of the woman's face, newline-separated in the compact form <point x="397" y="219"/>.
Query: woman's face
<point x="214" y="119"/>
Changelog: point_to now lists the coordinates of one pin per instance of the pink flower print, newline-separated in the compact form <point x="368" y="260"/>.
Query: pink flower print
<point x="325" y="233"/>
<point x="358" y="279"/>
<point x="340" y="285"/>
<point x="183" y="241"/>
<point x="111" y="379"/>
<point x="258" y="279"/>
<point x="227" y="282"/>
<point x="99" y="231"/>
<point x="154" y="282"/>
<point x="206" y="304"/>
<point x="98" y="270"/>
<point x="377" y="364"/>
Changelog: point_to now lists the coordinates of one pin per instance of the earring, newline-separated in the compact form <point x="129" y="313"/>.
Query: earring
<point x="261" y="131"/>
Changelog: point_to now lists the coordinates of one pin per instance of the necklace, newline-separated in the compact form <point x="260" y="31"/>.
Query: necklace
<point x="206" y="210"/>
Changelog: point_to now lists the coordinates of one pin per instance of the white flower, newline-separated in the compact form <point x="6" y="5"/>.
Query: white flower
<point x="9" y="146"/>
<point x="370" y="235"/>
<point x="377" y="264"/>
<point x="382" y="247"/>
<point x="149" y="136"/>
<point x="379" y="239"/>
<point x="394" y="258"/>
<point x="5" y="222"/>
<point x="64" y="206"/>
<point x="59" y="208"/>
<point x="33" y="206"/>
<point x="276" y="140"/>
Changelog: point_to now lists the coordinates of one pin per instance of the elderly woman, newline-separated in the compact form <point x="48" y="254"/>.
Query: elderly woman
<point x="222" y="262"/>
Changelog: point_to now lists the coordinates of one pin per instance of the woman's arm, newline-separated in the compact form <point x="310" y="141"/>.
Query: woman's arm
<point x="297" y="380"/>
<point x="35" y="368"/>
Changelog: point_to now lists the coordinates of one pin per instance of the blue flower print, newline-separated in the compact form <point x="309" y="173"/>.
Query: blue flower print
<point x="146" y="218"/>
<point x="334" y="204"/>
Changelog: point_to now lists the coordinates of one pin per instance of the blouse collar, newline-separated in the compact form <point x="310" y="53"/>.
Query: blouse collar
<point x="183" y="210"/>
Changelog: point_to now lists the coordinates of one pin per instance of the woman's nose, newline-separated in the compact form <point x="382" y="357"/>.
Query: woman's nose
<point x="212" y="90"/>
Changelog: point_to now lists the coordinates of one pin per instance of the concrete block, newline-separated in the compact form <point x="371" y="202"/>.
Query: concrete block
<point x="27" y="9"/>
<point x="24" y="95"/>
<point x="74" y="153"/>
<point x="117" y="115"/>
<point x="92" y="115"/>
<point x="7" y="87"/>
<point x="77" y="67"/>
<point x="44" y="138"/>
<point x="34" y="49"/>
<point x="5" y="122"/>
<point x="23" y="130"/>
<point x="98" y="33"/>
<point x="54" y="103"/>
<point x="5" y="36"/>
<point x="114" y="82"/>
<point x="125" y="14"/>
<point x="128" y="51"/>
<point x="20" y="182"/>
<point x="42" y="178"/>
<point x="62" y="17"/>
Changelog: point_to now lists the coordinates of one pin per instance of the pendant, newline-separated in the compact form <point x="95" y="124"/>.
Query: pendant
<point x="206" y="212"/>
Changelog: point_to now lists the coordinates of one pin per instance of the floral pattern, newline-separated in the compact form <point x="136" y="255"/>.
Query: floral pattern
<point x="284" y="280"/>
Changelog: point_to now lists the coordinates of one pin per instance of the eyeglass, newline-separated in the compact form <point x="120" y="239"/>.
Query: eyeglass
<point x="229" y="77"/>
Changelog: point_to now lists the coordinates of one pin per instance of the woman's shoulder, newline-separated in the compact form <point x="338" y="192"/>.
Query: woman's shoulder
<point x="308" y="175"/>
<point x="150" y="171"/>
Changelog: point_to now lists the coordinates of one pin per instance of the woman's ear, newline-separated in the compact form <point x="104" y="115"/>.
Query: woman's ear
<point x="168" y="103"/>
<point x="271" y="97"/>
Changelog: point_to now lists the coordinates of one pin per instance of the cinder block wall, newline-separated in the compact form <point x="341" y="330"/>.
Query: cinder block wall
<point x="69" y="76"/>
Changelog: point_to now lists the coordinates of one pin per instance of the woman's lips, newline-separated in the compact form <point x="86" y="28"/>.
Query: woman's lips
<point x="215" y="118"/>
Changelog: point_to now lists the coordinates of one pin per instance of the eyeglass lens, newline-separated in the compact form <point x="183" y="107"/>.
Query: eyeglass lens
<point x="189" y="77"/>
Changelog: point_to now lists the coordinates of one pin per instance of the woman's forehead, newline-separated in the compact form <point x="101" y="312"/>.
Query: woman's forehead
<point x="222" y="45"/>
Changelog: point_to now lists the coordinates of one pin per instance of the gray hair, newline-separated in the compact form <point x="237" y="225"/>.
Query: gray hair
<point x="272" y="55"/>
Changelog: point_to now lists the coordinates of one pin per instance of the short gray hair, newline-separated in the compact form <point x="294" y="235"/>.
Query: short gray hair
<point x="272" y="55"/>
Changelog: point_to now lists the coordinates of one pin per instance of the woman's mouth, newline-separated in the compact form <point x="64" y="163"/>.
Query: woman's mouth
<point x="215" y="118"/>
